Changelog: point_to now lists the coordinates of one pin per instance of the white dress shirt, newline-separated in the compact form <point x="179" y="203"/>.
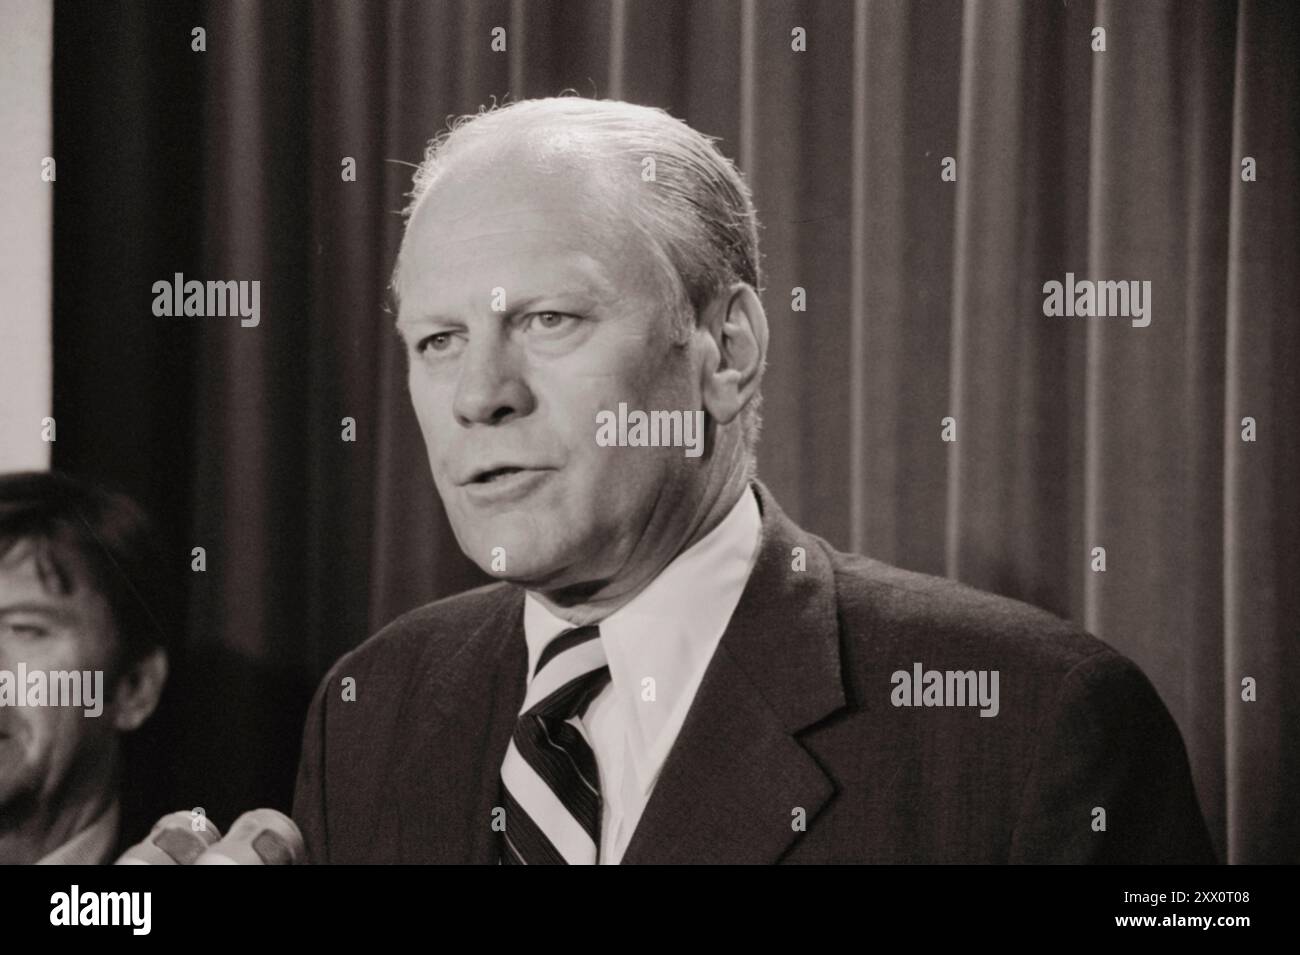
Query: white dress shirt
<point x="666" y="634"/>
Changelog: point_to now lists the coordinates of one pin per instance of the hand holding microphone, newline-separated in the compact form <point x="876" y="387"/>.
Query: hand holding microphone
<point x="258" y="837"/>
<point x="173" y="840"/>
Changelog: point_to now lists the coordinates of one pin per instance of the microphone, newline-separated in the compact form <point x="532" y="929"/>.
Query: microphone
<point x="258" y="837"/>
<point x="171" y="841"/>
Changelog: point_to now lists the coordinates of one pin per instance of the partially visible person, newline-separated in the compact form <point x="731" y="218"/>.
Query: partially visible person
<point x="79" y="589"/>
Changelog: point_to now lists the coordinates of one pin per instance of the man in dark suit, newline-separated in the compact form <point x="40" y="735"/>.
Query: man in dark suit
<point x="669" y="669"/>
<point x="79" y="572"/>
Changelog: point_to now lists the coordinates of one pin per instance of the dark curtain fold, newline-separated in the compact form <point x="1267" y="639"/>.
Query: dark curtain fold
<point x="924" y="301"/>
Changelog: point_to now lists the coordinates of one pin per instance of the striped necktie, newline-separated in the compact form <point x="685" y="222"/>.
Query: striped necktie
<point x="549" y="783"/>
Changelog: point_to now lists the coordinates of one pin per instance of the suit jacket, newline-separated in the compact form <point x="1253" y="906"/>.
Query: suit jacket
<point x="793" y="749"/>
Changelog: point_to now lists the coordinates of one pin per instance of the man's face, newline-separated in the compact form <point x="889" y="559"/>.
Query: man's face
<point x="508" y="400"/>
<point x="46" y="750"/>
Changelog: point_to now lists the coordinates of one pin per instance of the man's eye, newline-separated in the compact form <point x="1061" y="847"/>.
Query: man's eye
<point x="437" y="342"/>
<point x="32" y="631"/>
<point x="549" y="321"/>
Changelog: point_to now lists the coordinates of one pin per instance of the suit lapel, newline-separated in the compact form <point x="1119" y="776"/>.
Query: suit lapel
<point x="734" y="781"/>
<point x="454" y="729"/>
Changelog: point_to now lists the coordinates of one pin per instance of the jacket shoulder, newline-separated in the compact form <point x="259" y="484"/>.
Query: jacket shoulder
<point x="434" y="631"/>
<point x="904" y="610"/>
<point x="1078" y="725"/>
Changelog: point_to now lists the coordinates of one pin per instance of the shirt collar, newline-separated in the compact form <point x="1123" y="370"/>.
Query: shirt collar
<point x="92" y="845"/>
<point x="668" y="632"/>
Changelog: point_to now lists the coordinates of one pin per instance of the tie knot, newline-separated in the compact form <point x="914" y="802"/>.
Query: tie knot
<point x="570" y="672"/>
<point x="566" y="641"/>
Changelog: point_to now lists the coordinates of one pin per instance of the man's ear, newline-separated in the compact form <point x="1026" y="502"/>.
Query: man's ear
<point x="737" y="326"/>
<point x="136" y="693"/>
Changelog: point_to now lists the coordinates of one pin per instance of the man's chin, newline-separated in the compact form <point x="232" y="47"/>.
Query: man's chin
<point x="537" y="575"/>
<point x="527" y="565"/>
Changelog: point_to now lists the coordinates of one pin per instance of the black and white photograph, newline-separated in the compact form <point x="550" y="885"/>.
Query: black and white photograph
<point x="710" y="432"/>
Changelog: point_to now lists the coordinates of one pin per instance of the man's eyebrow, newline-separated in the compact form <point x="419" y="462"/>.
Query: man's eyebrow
<point x="590" y="292"/>
<point x="422" y="318"/>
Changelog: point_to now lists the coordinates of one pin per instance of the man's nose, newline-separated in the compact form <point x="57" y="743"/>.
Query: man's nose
<point x="491" y="387"/>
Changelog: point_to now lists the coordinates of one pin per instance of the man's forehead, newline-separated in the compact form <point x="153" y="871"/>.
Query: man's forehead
<point x="434" y="287"/>
<point x="486" y="176"/>
<point x="45" y="568"/>
<point x="484" y="201"/>
<point x="537" y="231"/>
<point x="532" y="229"/>
<point x="544" y="251"/>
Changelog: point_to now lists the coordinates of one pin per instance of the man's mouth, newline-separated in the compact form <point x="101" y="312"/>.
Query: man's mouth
<point x="505" y="483"/>
<point x="487" y="477"/>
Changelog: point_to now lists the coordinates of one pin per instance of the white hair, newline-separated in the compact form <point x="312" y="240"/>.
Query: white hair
<point x="698" y="218"/>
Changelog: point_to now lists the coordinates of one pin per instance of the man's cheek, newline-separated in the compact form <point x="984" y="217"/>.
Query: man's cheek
<point x="440" y="455"/>
<point x="425" y="399"/>
<point x="61" y="650"/>
<point x="441" y="470"/>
